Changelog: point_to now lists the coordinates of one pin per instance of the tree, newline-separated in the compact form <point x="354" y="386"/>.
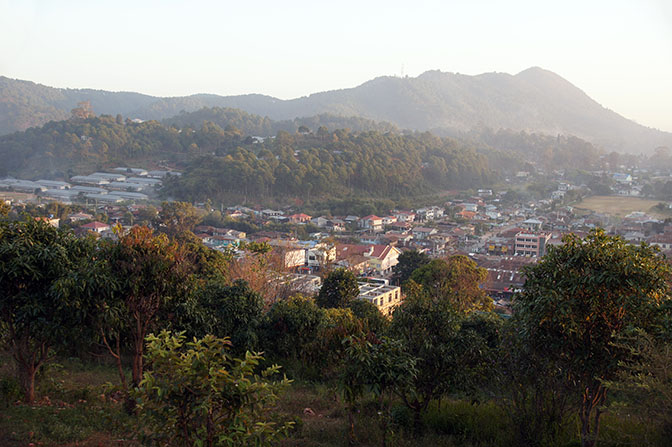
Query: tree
<point x="4" y="208"/>
<point x="409" y="261"/>
<point x="148" y="273"/>
<point x="178" y="217"/>
<point x="381" y="366"/>
<point x="36" y="313"/>
<point x="232" y="311"/>
<point x="338" y="289"/>
<point x="579" y="300"/>
<point x="456" y="279"/>
<point x="291" y="325"/>
<point x="197" y="394"/>
<point x="428" y="329"/>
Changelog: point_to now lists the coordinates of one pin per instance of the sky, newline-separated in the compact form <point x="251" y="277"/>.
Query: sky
<point x="618" y="52"/>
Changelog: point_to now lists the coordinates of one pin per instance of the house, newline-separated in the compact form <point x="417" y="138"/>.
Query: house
<point x="319" y="221"/>
<point x="299" y="218"/>
<point x="383" y="257"/>
<point x="468" y="215"/>
<point x="54" y="222"/>
<point x="664" y="241"/>
<point x="271" y="213"/>
<point x="622" y="178"/>
<point x="96" y="227"/>
<point x="404" y="216"/>
<point x="76" y="217"/>
<point x="371" y="222"/>
<point x="423" y="232"/>
<point x="336" y="225"/>
<point x="429" y="213"/>
<point x="388" y="220"/>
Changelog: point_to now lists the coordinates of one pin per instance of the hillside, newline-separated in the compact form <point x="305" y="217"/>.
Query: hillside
<point x="534" y="100"/>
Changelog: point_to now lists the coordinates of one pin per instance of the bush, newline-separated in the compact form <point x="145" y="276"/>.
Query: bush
<point x="198" y="395"/>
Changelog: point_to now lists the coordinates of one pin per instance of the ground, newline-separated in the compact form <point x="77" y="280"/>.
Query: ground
<point x="619" y="206"/>
<point x="77" y="406"/>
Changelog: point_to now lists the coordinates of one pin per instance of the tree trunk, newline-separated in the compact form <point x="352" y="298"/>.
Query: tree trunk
<point x="591" y="402"/>
<point x="27" y="379"/>
<point x="351" y="426"/>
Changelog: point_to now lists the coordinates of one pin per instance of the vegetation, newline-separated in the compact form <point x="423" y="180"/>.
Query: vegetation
<point x="579" y="300"/>
<point x="586" y="348"/>
<point x="196" y="394"/>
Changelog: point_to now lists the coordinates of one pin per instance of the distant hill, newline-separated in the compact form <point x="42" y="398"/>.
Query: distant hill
<point x="534" y="100"/>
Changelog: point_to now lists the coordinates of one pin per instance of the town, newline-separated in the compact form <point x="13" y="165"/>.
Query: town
<point x="498" y="232"/>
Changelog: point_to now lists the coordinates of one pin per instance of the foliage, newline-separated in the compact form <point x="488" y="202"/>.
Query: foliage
<point x="409" y="261"/>
<point x="338" y="289"/>
<point x="428" y="329"/>
<point x="197" y="394"/>
<point x="381" y="366"/>
<point x="456" y="279"/>
<point x="177" y="217"/>
<point x="579" y="299"/>
<point x="370" y="315"/>
<point x="644" y="385"/>
<point x="337" y="164"/>
<point x="149" y="272"/>
<point x="36" y="312"/>
<point x="291" y="325"/>
<point x="233" y="311"/>
<point x="531" y="390"/>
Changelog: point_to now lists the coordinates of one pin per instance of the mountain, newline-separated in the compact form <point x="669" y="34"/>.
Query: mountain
<point x="25" y="104"/>
<point x="535" y="100"/>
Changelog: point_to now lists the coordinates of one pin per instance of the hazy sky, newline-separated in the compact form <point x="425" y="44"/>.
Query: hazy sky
<point x="618" y="52"/>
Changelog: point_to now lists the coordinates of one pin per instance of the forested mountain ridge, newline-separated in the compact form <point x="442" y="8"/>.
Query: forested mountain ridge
<point x="25" y="104"/>
<point x="375" y="160"/>
<point x="534" y="100"/>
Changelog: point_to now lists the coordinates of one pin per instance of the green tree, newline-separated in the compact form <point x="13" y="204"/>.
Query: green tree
<point x="580" y="299"/>
<point x="36" y="313"/>
<point x="148" y="272"/>
<point x="428" y="329"/>
<point x="291" y="325"/>
<point x="197" y="394"/>
<point x="380" y="366"/>
<point x="338" y="289"/>
<point x="409" y="261"/>
<point x="456" y="279"/>
<point x="233" y="311"/>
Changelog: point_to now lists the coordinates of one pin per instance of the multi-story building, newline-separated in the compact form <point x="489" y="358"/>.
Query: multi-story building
<point x="385" y="297"/>
<point x="531" y="244"/>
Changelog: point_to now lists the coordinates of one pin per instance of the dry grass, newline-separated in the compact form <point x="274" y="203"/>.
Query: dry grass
<point x="618" y="206"/>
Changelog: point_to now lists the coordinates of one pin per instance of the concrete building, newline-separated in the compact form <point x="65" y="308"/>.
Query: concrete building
<point x="531" y="244"/>
<point x="386" y="298"/>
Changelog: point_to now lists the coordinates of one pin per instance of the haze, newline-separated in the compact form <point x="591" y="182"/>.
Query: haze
<point x="618" y="52"/>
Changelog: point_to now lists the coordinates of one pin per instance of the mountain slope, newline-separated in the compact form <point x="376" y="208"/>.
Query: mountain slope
<point x="534" y="100"/>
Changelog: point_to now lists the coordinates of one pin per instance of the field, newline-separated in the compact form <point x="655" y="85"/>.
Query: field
<point x="76" y="407"/>
<point x="618" y="206"/>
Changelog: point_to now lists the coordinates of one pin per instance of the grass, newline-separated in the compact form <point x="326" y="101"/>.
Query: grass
<point x="618" y="206"/>
<point x="74" y="408"/>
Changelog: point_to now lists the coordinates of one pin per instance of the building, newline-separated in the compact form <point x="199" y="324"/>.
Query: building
<point x="53" y="221"/>
<point x="371" y="222"/>
<point x="386" y="298"/>
<point x="96" y="227"/>
<point x="299" y="218"/>
<point x="52" y="184"/>
<point x="531" y="244"/>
